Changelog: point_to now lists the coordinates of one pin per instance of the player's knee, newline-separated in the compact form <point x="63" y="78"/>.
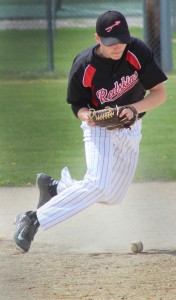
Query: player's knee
<point x="95" y="184"/>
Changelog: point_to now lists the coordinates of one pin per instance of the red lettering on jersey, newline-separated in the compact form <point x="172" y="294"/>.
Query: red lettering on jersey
<point x="119" y="89"/>
<point x="132" y="59"/>
<point x="88" y="76"/>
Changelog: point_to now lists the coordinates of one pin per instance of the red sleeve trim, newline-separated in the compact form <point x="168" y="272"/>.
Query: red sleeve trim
<point x="132" y="59"/>
<point x="88" y="76"/>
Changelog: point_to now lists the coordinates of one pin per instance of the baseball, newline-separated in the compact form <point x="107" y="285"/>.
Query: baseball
<point x="136" y="246"/>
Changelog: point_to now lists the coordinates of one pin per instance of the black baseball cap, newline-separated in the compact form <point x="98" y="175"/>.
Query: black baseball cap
<point x="112" y="28"/>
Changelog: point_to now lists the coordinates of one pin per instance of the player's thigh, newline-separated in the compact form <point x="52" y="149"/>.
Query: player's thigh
<point x="98" y="150"/>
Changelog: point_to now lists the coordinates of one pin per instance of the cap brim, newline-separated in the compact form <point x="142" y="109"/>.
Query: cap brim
<point x="109" y="41"/>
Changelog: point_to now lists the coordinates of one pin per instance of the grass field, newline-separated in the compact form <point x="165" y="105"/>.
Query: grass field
<point x="38" y="131"/>
<point x="29" y="57"/>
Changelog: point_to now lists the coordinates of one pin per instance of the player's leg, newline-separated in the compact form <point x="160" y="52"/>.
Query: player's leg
<point x="126" y="149"/>
<point x="91" y="189"/>
<point x="125" y="159"/>
<point x="81" y="194"/>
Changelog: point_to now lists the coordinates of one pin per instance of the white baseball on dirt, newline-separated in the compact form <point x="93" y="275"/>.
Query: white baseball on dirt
<point x="136" y="246"/>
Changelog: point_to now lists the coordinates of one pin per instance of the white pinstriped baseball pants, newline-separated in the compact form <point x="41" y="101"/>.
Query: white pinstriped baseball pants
<point x="111" y="158"/>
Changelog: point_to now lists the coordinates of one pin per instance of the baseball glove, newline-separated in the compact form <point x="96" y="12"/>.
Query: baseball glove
<point x="109" y="117"/>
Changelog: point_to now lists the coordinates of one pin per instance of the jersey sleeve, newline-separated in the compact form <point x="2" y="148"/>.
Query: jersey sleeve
<point x="150" y="73"/>
<point x="77" y="94"/>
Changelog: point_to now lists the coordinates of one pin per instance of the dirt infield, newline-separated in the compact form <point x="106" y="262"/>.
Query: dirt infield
<point x="88" y="256"/>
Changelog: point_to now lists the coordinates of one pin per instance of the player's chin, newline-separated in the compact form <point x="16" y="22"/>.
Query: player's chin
<point x="116" y="56"/>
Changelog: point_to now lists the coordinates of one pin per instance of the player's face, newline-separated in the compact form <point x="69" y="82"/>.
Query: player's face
<point x="114" y="52"/>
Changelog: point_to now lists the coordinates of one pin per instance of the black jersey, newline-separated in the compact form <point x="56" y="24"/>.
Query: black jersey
<point x="96" y="82"/>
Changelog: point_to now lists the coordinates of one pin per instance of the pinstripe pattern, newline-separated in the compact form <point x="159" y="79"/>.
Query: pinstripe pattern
<point x="126" y="154"/>
<point x="111" y="158"/>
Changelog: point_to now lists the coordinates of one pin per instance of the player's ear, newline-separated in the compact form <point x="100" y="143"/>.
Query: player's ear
<point x="97" y="37"/>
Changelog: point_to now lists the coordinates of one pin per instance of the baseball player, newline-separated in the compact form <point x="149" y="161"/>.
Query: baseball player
<point x="117" y="71"/>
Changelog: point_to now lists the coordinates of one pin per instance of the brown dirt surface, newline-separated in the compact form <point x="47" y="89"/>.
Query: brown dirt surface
<point x="88" y="257"/>
<point x="45" y="274"/>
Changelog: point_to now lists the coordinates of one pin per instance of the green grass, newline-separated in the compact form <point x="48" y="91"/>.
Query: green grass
<point x="24" y="53"/>
<point x="158" y="147"/>
<point x="39" y="133"/>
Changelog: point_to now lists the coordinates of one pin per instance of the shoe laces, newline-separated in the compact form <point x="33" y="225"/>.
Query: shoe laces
<point x="53" y="182"/>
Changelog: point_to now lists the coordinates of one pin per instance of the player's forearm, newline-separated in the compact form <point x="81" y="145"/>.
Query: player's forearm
<point x="156" y="97"/>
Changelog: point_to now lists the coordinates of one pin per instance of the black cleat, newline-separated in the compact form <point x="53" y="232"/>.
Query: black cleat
<point x="26" y="228"/>
<point x="47" y="187"/>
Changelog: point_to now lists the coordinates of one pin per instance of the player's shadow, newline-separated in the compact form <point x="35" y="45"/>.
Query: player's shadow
<point x="171" y="252"/>
<point x="154" y="252"/>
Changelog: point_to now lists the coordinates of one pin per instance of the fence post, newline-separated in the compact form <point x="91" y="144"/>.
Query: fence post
<point x="50" y="16"/>
<point x="157" y="16"/>
<point x="152" y="30"/>
<point x="166" y="39"/>
<point x="173" y="6"/>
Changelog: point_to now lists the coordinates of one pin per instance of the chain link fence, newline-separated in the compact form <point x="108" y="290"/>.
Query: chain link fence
<point x="41" y="37"/>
